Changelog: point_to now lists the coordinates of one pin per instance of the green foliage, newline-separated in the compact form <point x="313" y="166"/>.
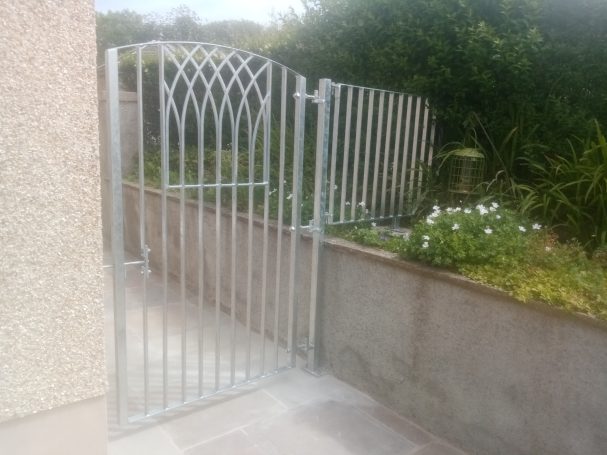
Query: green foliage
<point x="482" y="235"/>
<point x="561" y="275"/>
<point x="508" y="61"/>
<point x="570" y="192"/>
<point x="521" y="258"/>
<point x="368" y="234"/>
<point x="500" y="248"/>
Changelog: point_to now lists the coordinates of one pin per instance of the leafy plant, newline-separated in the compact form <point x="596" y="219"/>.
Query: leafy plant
<point x="500" y="248"/>
<point x="460" y="236"/>
<point x="570" y="192"/>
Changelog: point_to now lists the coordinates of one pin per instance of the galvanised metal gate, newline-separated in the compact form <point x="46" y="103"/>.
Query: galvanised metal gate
<point x="209" y="204"/>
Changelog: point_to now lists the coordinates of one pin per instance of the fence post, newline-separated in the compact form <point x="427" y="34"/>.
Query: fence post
<point x="113" y="126"/>
<point x="318" y="226"/>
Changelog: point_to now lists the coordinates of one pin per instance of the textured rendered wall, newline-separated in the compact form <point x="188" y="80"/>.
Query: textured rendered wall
<point x="51" y="314"/>
<point x="469" y="364"/>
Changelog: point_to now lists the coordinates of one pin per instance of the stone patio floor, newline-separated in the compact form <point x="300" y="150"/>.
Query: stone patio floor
<point x="291" y="413"/>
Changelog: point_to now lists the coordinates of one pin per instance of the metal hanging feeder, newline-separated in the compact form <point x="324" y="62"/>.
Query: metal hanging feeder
<point x="466" y="171"/>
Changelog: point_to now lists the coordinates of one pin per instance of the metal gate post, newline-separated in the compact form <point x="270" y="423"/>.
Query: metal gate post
<point x="318" y="224"/>
<point x="298" y="162"/>
<point x="113" y="122"/>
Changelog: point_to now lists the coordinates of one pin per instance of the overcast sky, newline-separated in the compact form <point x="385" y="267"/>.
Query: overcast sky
<point x="208" y="10"/>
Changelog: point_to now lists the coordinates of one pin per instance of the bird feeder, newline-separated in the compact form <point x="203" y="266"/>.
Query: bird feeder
<point x="466" y="171"/>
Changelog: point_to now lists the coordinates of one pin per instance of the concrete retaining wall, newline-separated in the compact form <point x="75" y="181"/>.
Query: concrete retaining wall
<point x="491" y="375"/>
<point x="468" y="363"/>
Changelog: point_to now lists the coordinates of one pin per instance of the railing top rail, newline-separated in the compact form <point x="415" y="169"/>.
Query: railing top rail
<point x="340" y="84"/>
<point x="203" y="44"/>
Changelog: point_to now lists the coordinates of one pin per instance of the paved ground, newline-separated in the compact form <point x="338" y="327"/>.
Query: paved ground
<point x="291" y="413"/>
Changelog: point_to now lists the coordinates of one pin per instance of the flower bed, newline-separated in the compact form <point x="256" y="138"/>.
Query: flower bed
<point x="498" y="247"/>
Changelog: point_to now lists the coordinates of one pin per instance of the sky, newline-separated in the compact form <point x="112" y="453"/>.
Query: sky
<point x="208" y="10"/>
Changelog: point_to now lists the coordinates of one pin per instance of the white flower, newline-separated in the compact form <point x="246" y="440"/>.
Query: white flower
<point x="498" y="217"/>
<point x="455" y="227"/>
<point x="482" y="209"/>
<point x="426" y="237"/>
<point x="429" y="220"/>
<point x="548" y="248"/>
<point x="467" y="211"/>
<point x="536" y="227"/>
<point x="361" y="204"/>
<point x="290" y="196"/>
<point x="425" y="245"/>
<point x="436" y="208"/>
<point x="374" y="224"/>
<point x="449" y="210"/>
<point x="522" y="229"/>
<point x="488" y="230"/>
<point x="347" y="203"/>
<point x="492" y="209"/>
<point x="457" y="209"/>
<point x="495" y="205"/>
<point x="334" y="187"/>
<point x="434" y="215"/>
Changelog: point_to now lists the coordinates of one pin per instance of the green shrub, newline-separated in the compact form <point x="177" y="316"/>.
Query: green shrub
<point x="459" y="236"/>
<point x="501" y="248"/>
<point x="570" y="192"/>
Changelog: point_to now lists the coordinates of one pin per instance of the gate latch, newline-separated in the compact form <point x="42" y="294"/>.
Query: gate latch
<point x="145" y="267"/>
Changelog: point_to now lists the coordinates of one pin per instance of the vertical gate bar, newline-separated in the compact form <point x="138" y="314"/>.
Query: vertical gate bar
<point x="200" y="255"/>
<point x="298" y="152"/>
<point x="337" y="95"/>
<point x="346" y="156"/>
<point x="164" y="181"/>
<point x="380" y="125"/>
<point x="403" y="175"/>
<point x="414" y="148"/>
<point x="249" y="301"/>
<point x="142" y="234"/>
<point x="182" y="253"/>
<point x="235" y="146"/>
<point x="422" y="156"/>
<point x="281" y="181"/>
<point x="218" y="249"/>
<point x="359" y="115"/>
<point x="266" y="214"/>
<point x="320" y="195"/>
<point x="368" y="149"/>
<point x="388" y="143"/>
<point x="399" y="116"/>
<point x="113" y="114"/>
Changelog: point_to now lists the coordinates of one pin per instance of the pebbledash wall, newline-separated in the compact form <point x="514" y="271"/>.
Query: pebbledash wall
<point x="52" y="366"/>
<point x="470" y="364"/>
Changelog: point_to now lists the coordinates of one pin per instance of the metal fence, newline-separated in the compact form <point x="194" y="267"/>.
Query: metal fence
<point x="381" y="142"/>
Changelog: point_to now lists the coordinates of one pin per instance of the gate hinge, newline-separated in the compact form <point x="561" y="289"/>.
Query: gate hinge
<point x="315" y="98"/>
